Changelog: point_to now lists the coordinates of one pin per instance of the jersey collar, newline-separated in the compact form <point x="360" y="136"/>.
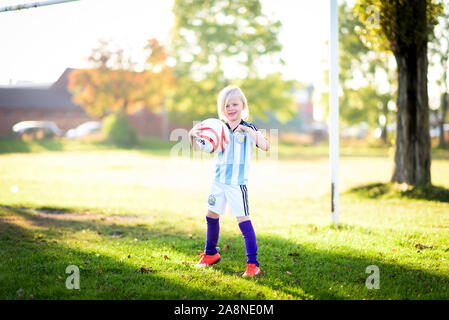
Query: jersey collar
<point x="227" y="124"/>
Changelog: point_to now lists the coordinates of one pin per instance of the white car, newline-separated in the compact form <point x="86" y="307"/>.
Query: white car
<point x="48" y="128"/>
<point x="83" y="129"/>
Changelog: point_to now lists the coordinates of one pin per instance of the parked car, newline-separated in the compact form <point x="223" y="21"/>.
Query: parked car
<point x="84" y="129"/>
<point x="37" y="129"/>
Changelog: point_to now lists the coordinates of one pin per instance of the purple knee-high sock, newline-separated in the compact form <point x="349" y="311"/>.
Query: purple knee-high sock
<point x="213" y="230"/>
<point x="250" y="241"/>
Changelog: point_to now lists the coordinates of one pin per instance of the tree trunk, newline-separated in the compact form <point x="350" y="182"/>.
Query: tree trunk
<point x="413" y="149"/>
<point x="384" y="134"/>
<point x="124" y="109"/>
<point x="444" y="107"/>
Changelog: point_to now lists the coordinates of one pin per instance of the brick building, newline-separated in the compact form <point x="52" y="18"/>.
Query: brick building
<point x="38" y="103"/>
<point x="54" y="103"/>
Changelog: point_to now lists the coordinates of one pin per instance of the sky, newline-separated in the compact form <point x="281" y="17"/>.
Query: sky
<point x="39" y="43"/>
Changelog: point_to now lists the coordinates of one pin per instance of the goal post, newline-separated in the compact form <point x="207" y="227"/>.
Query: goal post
<point x="333" y="106"/>
<point x="32" y="5"/>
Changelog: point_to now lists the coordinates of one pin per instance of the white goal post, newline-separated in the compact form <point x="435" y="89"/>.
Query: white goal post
<point x="32" y="5"/>
<point x="333" y="109"/>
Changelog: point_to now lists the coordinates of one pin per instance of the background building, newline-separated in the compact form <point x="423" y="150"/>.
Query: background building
<point x="53" y="102"/>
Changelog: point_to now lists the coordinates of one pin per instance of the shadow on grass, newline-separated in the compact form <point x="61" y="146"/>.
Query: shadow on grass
<point x="20" y="146"/>
<point x="147" y="145"/>
<point x="50" y="144"/>
<point x="33" y="267"/>
<point x="394" y="190"/>
<point x="289" y="268"/>
<point x="14" y="145"/>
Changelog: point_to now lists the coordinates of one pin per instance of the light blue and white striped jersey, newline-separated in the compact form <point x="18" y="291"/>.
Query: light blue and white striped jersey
<point x="232" y="164"/>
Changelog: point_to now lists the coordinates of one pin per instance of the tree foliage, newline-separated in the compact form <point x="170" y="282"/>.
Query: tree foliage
<point x="387" y="23"/>
<point x="209" y="33"/>
<point x="113" y="84"/>
<point x="367" y="100"/>
<point x="222" y="42"/>
<point x="197" y="100"/>
<point x="159" y="81"/>
<point x="269" y="94"/>
<point x="118" y="130"/>
<point x="109" y="86"/>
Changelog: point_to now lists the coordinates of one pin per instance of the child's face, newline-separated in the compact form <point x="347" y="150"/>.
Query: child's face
<point x="233" y="110"/>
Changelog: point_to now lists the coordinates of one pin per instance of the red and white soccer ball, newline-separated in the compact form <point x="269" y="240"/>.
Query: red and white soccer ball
<point x="214" y="136"/>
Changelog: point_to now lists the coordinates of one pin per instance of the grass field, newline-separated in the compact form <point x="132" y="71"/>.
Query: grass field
<point x="133" y="221"/>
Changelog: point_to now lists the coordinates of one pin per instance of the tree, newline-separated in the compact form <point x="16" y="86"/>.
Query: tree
<point x="113" y="84"/>
<point x="199" y="98"/>
<point x="159" y="81"/>
<point x="222" y="42"/>
<point x="210" y="34"/>
<point x="268" y="94"/>
<point x="404" y="28"/>
<point x="110" y="86"/>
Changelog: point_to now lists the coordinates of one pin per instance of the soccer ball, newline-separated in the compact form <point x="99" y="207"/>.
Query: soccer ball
<point x="214" y="136"/>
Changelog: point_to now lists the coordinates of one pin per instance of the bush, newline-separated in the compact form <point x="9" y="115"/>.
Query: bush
<point x="118" y="131"/>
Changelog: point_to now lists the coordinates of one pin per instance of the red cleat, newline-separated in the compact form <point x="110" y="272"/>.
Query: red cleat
<point x="207" y="260"/>
<point x="251" y="270"/>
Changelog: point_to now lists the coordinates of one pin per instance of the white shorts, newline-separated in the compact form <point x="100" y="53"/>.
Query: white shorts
<point x="236" y="196"/>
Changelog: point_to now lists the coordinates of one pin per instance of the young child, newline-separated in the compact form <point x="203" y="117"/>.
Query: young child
<point x="231" y="177"/>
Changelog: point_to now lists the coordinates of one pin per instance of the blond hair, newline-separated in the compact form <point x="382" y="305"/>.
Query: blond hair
<point x="223" y="99"/>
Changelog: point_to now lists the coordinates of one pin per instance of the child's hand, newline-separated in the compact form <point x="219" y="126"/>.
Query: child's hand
<point x="195" y="130"/>
<point x="241" y="128"/>
<point x="194" y="133"/>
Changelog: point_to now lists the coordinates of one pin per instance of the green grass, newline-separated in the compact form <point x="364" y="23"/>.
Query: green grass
<point x="286" y="150"/>
<point x="133" y="220"/>
<point x="154" y="146"/>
